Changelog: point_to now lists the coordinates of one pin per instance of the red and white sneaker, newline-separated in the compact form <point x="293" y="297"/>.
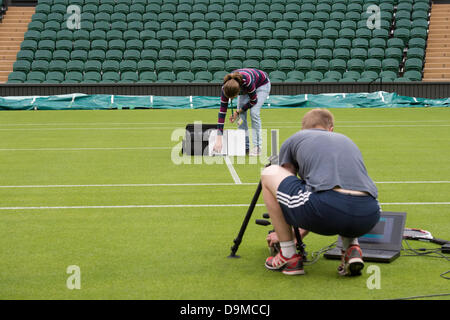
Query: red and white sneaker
<point x="352" y="262"/>
<point x="289" y="266"/>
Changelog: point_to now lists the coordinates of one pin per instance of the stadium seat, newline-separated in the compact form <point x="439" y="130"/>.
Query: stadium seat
<point x="295" y="76"/>
<point x="277" y="76"/>
<point x="393" y="53"/>
<point x="216" y="66"/>
<point x="390" y="65"/>
<point x="338" y="65"/>
<point x="75" y="65"/>
<point x="321" y="65"/>
<point x="230" y="65"/>
<point x="166" y="76"/>
<point x="57" y="65"/>
<point x="313" y="76"/>
<point x="249" y="63"/>
<point x="129" y="76"/>
<point x="110" y="66"/>
<point x="413" y="75"/>
<point x="184" y="76"/>
<point x="413" y="64"/>
<point x="268" y="65"/>
<point x="351" y="75"/>
<point x="92" y="77"/>
<point x="74" y="76"/>
<point x="416" y="53"/>
<point x="203" y="76"/>
<point x="355" y="65"/>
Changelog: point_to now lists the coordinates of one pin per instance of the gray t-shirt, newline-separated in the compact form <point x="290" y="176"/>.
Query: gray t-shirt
<point x="326" y="160"/>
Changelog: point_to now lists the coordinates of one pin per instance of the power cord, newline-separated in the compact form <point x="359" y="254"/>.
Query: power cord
<point x="316" y="255"/>
<point x="424" y="252"/>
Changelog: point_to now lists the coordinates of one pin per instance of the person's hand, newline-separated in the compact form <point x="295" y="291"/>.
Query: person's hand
<point x="234" y="116"/>
<point x="272" y="239"/>
<point x="218" y="144"/>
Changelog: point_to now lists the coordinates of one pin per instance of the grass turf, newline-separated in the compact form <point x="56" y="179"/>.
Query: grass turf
<point x="167" y="252"/>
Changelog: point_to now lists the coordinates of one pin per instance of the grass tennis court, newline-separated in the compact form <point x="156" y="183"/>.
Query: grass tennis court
<point x="98" y="189"/>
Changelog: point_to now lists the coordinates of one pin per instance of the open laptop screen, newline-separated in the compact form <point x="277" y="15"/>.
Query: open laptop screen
<point x="381" y="233"/>
<point x="387" y="233"/>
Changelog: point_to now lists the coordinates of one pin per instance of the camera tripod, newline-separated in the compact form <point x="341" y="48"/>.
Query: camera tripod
<point x="273" y="159"/>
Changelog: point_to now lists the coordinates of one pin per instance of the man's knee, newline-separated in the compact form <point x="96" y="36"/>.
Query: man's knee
<point x="272" y="176"/>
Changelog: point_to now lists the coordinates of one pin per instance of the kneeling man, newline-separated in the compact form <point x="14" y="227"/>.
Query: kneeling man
<point x="334" y="194"/>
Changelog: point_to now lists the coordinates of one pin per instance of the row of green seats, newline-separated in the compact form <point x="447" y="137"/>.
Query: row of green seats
<point x="112" y="76"/>
<point x="220" y="54"/>
<point x="204" y="76"/>
<point x="181" y="4"/>
<point x="297" y="7"/>
<point x="224" y="2"/>
<point x="226" y="15"/>
<point x="153" y="52"/>
<point x="177" y="66"/>
<point x="229" y="34"/>
<point x="153" y="24"/>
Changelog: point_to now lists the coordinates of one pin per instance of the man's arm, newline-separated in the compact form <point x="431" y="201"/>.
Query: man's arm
<point x="286" y="158"/>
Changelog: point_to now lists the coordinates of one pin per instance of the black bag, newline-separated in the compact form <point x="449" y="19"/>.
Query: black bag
<point x="196" y="140"/>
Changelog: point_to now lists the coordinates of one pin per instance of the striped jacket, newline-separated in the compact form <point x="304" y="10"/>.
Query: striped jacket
<point x="252" y="79"/>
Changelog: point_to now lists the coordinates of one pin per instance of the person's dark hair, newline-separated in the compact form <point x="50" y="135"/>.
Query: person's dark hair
<point x="318" y="118"/>
<point x="232" y="84"/>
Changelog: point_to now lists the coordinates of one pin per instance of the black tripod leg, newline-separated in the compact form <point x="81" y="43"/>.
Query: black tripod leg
<point x="238" y="239"/>
<point x="300" y="248"/>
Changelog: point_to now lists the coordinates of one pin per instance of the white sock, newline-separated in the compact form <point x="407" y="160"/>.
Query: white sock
<point x="288" y="248"/>
<point x="347" y="242"/>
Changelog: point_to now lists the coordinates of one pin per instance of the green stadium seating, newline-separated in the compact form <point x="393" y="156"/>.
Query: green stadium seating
<point x="110" y="76"/>
<point x="413" y="75"/>
<point x="22" y="66"/>
<point x="57" y="66"/>
<point x="201" y="40"/>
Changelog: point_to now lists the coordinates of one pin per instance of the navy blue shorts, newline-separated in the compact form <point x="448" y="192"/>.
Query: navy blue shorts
<point x="326" y="212"/>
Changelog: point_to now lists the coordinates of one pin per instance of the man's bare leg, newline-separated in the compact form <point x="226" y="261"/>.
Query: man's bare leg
<point x="270" y="179"/>
<point x="288" y="261"/>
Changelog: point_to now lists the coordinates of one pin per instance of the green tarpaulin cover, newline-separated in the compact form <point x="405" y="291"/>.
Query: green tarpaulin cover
<point x="78" y="101"/>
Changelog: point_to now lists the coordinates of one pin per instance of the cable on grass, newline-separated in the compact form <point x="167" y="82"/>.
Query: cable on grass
<point x="424" y="252"/>
<point x="316" y="255"/>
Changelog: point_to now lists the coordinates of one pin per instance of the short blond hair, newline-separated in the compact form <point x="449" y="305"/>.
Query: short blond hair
<point x="318" y="117"/>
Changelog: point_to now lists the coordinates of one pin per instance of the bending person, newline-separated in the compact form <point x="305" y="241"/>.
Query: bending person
<point x="251" y="87"/>
<point x="335" y="195"/>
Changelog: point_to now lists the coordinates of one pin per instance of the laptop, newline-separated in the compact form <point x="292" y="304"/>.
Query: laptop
<point x="381" y="244"/>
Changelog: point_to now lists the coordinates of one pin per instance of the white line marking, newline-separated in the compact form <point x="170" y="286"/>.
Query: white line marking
<point x="183" y="184"/>
<point x="186" y="206"/>
<point x="127" y="185"/>
<point x="57" y="129"/>
<point x="131" y="206"/>
<point x="413" y="203"/>
<point x="95" y="123"/>
<point x="380" y="126"/>
<point x="409" y="182"/>
<point x="233" y="172"/>
<point x="86" y="149"/>
<point x="173" y="128"/>
<point x="183" y="123"/>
